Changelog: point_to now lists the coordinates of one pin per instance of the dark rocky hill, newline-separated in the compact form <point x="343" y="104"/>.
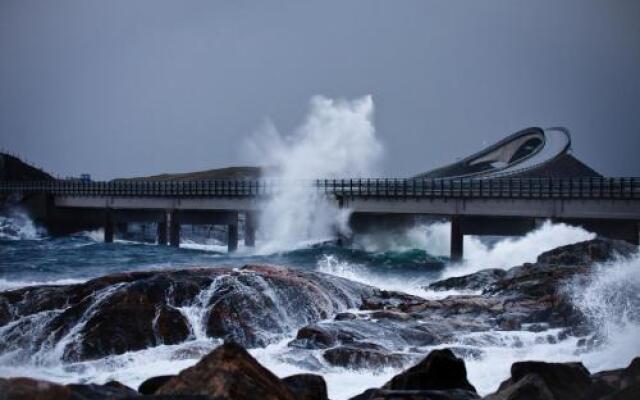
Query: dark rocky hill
<point x="14" y="169"/>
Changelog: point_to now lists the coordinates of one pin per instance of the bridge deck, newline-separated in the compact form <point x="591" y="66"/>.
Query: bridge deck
<point x="599" y="198"/>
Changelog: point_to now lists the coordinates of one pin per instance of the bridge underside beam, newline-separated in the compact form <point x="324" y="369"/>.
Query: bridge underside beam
<point x="626" y="209"/>
<point x="159" y="203"/>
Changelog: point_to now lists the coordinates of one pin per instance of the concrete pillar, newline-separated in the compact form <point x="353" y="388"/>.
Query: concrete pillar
<point x="249" y="229"/>
<point x="457" y="239"/>
<point x="162" y="231"/>
<point x="108" y="227"/>
<point x="232" y="237"/>
<point x="174" y="228"/>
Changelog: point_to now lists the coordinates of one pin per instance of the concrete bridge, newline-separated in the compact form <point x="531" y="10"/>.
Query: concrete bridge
<point x="475" y="206"/>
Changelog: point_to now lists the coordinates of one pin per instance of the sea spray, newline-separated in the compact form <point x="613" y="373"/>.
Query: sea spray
<point x="16" y="224"/>
<point x="610" y="301"/>
<point x="337" y="139"/>
<point x="504" y="252"/>
<point x="433" y="239"/>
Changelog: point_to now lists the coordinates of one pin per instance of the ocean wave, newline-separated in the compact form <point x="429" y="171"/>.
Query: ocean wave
<point x="17" y="225"/>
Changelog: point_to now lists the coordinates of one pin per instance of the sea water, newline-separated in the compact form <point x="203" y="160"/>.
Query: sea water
<point x="610" y="299"/>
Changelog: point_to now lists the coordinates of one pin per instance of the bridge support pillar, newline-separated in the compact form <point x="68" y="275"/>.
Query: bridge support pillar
<point x="162" y="231"/>
<point x="249" y="229"/>
<point x="232" y="237"/>
<point x="174" y="228"/>
<point x="457" y="240"/>
<point x="108" y="227"/>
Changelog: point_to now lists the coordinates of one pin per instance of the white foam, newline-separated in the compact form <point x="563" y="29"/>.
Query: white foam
<point x="505" y="253"/>
<point x="331" y="264"/>
<point x="7" y="284"/>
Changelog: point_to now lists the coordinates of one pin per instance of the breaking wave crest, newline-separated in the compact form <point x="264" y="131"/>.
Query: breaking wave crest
<point x="610" y="300"/>
<point x="17" y="225"/>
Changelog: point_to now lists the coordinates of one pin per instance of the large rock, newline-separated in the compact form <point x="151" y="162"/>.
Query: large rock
<point x="231" y="373"/>
<point x="621" y="378"/>
<point x="32" y="389"/>
<point x="476" y="281"/>
<point x="439" y="376"/>
<point x="254" y="305"/>
<point x="151" y="385"/>
<point x="545" y="381"/>
<point x="360" y="355"/>
<point x="440" y="370"/>
<point x="307" y="386"/>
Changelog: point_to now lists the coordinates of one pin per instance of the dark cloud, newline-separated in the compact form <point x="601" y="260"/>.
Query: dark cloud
<point x="120" y="88"/>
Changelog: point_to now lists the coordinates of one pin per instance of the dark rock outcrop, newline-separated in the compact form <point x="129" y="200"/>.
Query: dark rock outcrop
<point x="32" y="389"/>
<point x="477" y="281"/>
<point x="362" y="355"/>
<point x="530" y="297"/>
<point x="231" y="373"/>
<point x="440" y="370"/>
<point x="151" y="385"/>
<point x="307" y="386"/>
<point x="440" y="375"/>
<point x="560" y="381"/>
<point x="537" y="380"/>
<point x="253" y="305"/>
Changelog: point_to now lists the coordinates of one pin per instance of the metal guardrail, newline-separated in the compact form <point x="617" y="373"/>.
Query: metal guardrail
<point x="576" y="188"/>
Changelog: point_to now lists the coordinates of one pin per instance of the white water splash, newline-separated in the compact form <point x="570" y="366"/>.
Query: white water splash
<point x="505" y="253"/>
<point x="330" y="264"/>
<point x="434" y="239"/>
<point x="17" y="225"/>
<point x="337" y="139"/>
<point x="17" y="284"/>
<point x="611" y="302"/>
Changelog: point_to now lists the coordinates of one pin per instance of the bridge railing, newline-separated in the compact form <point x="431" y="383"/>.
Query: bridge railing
<point x="583" y="188"/>
<point x="621" y="188"/>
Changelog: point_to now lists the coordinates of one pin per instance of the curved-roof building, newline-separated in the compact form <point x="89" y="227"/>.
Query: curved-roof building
<point x="531" y="152"/>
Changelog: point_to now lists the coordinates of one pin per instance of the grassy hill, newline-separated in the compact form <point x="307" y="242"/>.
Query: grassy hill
<point x="218" y="173"/>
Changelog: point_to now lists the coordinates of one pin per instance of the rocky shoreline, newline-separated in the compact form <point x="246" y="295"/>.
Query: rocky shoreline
<point x="339" y="323"/>
<point x="231" y="373"/>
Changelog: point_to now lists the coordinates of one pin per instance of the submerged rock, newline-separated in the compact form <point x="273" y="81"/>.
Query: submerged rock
<point x="231" y="373"/>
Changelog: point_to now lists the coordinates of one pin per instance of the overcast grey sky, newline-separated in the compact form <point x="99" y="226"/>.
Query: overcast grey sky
<point x="121" y="88"/>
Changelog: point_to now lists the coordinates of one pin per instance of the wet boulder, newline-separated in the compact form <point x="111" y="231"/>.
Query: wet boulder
<point x="151" y="385"/>
<point x="294" y="298"/>
<point x="621" y="379"/>
<point x="254" y="305"/>
<point x="229" y="372"/>
<point x="32" y="389"/>
<point x="307" y="386"/>
<point x="360" y="355"/>
<point x="110" y="391"/>
<point x="587" y="252"/>
<point x="440" y="370"/>
<point x="382" y="394"/>
<point x="545" y="381"/>
<point x="476" y="281"/>
<point x="439" y="376"/>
